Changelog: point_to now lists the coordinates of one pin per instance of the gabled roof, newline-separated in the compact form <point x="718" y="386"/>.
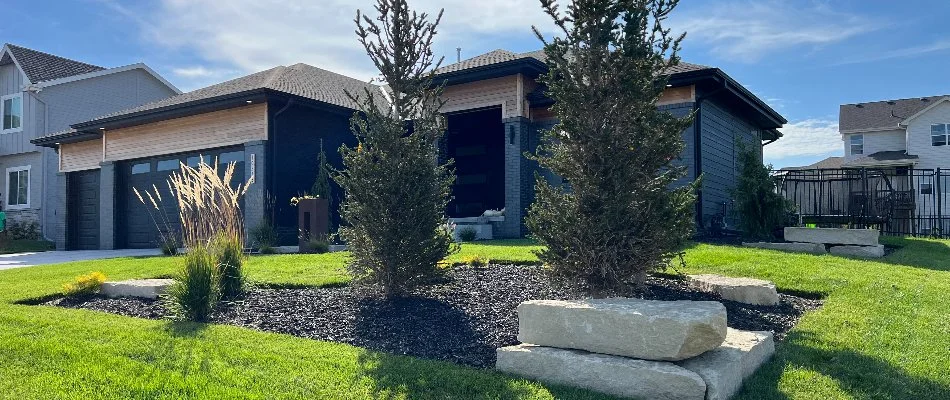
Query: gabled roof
<point x="881" y="115"/>
<point x="828" y="163"/>
<point x="299" y="79"/>
<point x="40" y="67"/>
<point x="499" y="56"/>
<point x="883" y="159"/>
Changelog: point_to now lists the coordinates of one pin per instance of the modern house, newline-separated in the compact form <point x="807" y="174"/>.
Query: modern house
<point x="272" y="123"/>
<point x="41" y="93"/>
<point x="890" y="173"/>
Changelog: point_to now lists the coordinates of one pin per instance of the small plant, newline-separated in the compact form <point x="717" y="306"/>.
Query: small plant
<point x="762" y="210"/>
<point x="475" y="261"/>
<point x="168" y="245"/>
<point x="23" y="230"/>
<point x="315" y="245"/>
<point x="196" y="290"/>
<point x="467" y="234"/>
<point x="84" y="284"/>
<point x="267" y="250"/>
<point x="264" y="236"/>
<point x="229" y="257"/>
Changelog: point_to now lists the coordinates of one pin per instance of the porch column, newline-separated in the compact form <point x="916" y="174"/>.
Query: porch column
<point x="107" y="171"/>
<point x="519" y="179"/>
<point x="254" y="200"/>
<point x="56" y="195"/>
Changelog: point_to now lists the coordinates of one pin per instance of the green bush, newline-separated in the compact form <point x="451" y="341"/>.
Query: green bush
<point x="467" y="234"/>
<point x="23" y="230"/>
<point x="263" y="236"/>
<point x="168" y="245"/>
<point x="762" y="210"/>
<point x="229" y="257"/>
<point x="315" y="245"/>
<point x="196" y="290"/>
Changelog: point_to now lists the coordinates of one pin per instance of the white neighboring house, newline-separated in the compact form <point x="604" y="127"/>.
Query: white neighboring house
<point x="40" y="94"/>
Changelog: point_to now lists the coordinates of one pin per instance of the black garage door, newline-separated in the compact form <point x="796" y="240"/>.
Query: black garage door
<point x="140" y="223"/>
<point x="83" y="210"/>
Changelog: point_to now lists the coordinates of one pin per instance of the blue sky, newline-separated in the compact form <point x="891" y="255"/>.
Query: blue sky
<point x="803" y="57"/>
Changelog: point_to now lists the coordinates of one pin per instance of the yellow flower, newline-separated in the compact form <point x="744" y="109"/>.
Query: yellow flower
<point x="359" y="148"/>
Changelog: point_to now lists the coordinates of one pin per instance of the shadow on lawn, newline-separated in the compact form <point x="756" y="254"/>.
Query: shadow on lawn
<point x="857" y="374"/>
<point x="919" y="253"/>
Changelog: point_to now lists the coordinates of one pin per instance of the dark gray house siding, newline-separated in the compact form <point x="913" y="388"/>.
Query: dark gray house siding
<point x="723" y="132"/>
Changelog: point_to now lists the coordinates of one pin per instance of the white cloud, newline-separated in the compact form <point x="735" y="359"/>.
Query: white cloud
<point x="942" y="45"/>
<point x="253" y="35"/>
<point x="201" y="72"/>
<point x="751" y="30"/>
<point x="807" y="138"/>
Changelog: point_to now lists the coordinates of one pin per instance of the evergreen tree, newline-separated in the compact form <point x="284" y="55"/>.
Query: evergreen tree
<point x="395" y="192"/>
<point x="621" y="214"/>
<point x="762" y="210"/>
<point x="321" y="186"/>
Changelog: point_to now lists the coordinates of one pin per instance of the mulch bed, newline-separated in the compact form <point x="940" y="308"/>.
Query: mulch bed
<point x="462" y="320"/>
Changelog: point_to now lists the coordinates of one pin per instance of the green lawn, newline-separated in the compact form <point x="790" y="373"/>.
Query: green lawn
<point x="884" y="332"/>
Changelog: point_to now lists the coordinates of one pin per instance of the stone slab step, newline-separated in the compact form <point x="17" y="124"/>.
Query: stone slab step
<point x="743" y="290"/>
<point x="724" y="368"/>
<point x="810" y="248"/>
<point x="145" y="288"/>
<point x="618" y="376"/>
<point x="860" y="237"/>
<point x="858" y="251"/>
<point x="645" y="329"/>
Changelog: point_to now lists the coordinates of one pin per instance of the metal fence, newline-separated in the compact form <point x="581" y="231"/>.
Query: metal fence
<point x="898" y="201"/>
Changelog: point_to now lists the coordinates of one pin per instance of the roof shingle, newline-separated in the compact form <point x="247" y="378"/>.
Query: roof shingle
<point x="499" y="56"/>
<point x="881" y="114"/>
<point x="40" y="67"/>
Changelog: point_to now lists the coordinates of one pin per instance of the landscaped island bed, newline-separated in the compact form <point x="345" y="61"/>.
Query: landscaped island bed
<point x="881" y="332"/>
<point x="463" y="319"/>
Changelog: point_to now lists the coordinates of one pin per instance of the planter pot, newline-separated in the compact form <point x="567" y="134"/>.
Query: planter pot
<point x="313" y="219"/>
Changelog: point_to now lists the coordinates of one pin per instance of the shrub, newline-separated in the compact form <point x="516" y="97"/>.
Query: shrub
<point x="395" y="192"/>
<point x="315" y="245"/>
<point x="762" y="210"/>
<point x="621" y="215"/>
<point x="467" y="234"/>
<point x="229" y="257"/>
<point x="84" y="284"/>
<point x="264" y="236"/>
<point x="168" y="246"/>
<point x="267" y="250"/>
<point x="26" y="230"/>
<point x="475" y="261"/>
<point x="196" y="290"/>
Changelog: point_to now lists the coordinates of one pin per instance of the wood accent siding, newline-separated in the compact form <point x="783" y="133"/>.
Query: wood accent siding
<point x="502" y="91"/>
<point x="676" y="95"/>
<point x="80" y="156"/>
<point x="204" y="131"/>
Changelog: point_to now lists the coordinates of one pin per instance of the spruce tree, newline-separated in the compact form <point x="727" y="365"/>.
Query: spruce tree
<point x="321" y="186"/>
<point x="395" y="191"/>
<point x="620" y="214"/>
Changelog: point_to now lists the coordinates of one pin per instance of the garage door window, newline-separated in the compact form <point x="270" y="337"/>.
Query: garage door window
<point x="234" y="156"/>
<point x="167" y="165"/>
<point x="18" y="187"/>
<point x="194" y="161"/>
<point x="142" y="168"/>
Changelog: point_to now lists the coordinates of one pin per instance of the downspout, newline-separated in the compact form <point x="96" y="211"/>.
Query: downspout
<point x="698" y="148"/>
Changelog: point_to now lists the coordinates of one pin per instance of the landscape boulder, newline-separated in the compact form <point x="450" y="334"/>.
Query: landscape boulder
<point x="618" y="376"/>
<point x="724" y="368"/>
<point x="743" y="290"/>
<point x="860" y="237"/>
<point x="145" y="288"/>
<point x="858" y="251"/>
<point x="645" y="329"/>
<point x="811" y="248"/>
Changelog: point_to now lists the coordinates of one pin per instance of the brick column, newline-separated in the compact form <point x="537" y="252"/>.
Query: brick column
<point x="519" y="178"/>
<point x="255" y="165"/>
<point x="107" y="181"/>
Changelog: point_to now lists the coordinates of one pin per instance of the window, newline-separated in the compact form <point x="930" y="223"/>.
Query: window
<point x="194" y="161"/>
<point x="11" y="107"/>
<point x="938" y="134"/>
<point x="141" y="168"/>
<point x="18" y="187"/>
<point x="235" y="156"/>
<point x="857" y="144"/>
<point x="167" y="165"/>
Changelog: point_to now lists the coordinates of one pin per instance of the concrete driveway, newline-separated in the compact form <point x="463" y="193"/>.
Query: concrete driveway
<point x="18" y="260"/>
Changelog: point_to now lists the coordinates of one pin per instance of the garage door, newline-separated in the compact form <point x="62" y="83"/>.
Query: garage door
<point x="143" y="223"/>
<point x="83" y="210"/>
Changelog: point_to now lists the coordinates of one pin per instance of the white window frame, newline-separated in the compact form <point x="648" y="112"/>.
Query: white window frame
<point x="851" y="144"/>
<point x="3" y="100"/>
<point x="29" y="187"/>
<point x="946" y="135"/>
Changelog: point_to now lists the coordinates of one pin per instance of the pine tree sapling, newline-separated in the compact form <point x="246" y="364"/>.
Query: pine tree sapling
<point x="621" y="215"/>
<point x="762" y="210"/>
<point x="395" y="192"/>
<point x="321" y="186"/>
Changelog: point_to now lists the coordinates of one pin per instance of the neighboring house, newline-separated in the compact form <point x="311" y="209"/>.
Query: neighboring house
<point x="270" y="123"/>
<point x="495" y="109"/>
<point x="42" y="93"/>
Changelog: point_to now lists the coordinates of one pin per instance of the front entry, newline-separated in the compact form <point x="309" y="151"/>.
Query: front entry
<point x="476" y="141"/>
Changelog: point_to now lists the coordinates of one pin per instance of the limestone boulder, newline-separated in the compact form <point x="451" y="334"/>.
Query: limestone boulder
<point x="810" y="248"/>
<point x="145" y="288"/>
<point x="724" y="368"/>
<point x="618" y="376"/>
<point x="743" y="290"/>
<point x="645" y="329"/>
<point x="858" y="251"/>
<point x="860" y="237"/>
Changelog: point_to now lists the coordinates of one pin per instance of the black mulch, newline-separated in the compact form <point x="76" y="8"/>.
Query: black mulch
<point x="462" y="320"/>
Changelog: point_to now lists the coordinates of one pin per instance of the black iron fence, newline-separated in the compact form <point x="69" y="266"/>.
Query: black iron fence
<point x="898" y="201"/>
